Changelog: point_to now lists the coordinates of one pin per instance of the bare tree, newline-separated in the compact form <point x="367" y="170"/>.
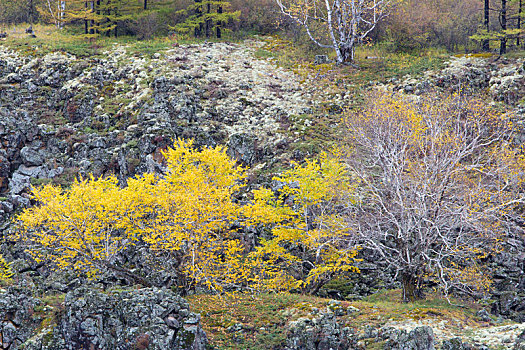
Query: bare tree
<point x="503" y="22"/>
<point x="57" y="11"/>
<point x="439" y="181"/>
<point x="337" y="24"/>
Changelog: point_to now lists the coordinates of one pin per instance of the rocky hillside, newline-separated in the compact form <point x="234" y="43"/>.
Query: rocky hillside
<point x="60" y="115"/>
<point x="500" y="79"/>
<point x="63" y="116"/>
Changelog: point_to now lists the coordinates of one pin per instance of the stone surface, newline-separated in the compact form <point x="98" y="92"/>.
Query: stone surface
<point x="137" y="319"/>
<point x="322" y="332"/>
<point x="16" y="317"/>
<point x="420" y="338"/>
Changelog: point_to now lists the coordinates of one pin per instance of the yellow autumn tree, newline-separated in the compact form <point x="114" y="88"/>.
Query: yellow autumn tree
<point x="189" y="214"/>
<point x="84" y="227"/>
<point x="310" y="243"/>
<point x="190" y="219"/>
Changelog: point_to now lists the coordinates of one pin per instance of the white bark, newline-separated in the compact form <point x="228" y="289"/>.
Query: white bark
<point x="346" y="22"/>
<point x="61" y="13"/>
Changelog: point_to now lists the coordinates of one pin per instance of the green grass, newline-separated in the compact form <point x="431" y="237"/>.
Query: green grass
<point x="69" y="40"/>
<point x="262" y="318"/>
<point x="50" y="308"/>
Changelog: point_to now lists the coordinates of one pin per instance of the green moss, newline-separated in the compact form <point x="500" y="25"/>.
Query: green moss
<point x="40" y="182"/>
<point x="66" y="178"/>
<point x="132" y="144"/>
<point x="376" y="345"/>
<point x="187" y="339"/>
<point x="263" y="54"/>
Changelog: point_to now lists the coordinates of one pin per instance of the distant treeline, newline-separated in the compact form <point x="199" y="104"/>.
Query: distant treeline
<point x="457" y="25"/>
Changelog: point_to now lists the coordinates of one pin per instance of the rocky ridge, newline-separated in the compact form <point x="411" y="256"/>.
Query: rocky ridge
<point x="501" y="79"/>
<point x="326" y="329"/>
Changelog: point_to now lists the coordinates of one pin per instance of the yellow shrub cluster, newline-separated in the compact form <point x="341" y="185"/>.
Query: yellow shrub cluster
<point x="190" y="216"/>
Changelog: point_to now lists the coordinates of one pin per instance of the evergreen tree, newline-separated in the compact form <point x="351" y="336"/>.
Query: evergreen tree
<point x="101" y="16"/>
<point x="206" y="17"/>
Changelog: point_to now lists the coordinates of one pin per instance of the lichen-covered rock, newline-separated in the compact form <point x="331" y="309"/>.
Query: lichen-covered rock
<point x="322" y="332"/>
<point x="508" y="84"/>
<point x="153" y="319"/>
<point x="454" y="344"/>
<point x="420" y="338"/>
<point x="17" y="321"/>
<point x="520" y="342"/>
<point x="465" y="73"/>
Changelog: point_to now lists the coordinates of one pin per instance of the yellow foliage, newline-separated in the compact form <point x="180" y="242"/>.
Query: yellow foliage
<point x="80" y="227"/>
<point x="5" y="270"/>
<point x="313" y="226"/>
<point x="190" y="216"/>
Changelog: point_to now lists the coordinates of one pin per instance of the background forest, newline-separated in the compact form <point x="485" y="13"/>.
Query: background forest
<point x="465" y="25"/>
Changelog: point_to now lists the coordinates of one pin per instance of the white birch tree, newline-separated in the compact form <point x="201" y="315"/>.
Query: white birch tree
<point x="340" y="25"/>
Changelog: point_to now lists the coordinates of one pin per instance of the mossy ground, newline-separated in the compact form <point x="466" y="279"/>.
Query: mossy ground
<point x="263" y="318"/>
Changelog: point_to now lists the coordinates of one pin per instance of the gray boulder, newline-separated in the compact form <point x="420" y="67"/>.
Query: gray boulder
<point x="321" y="59"/>
<point x="31" y="156"/>
<point x="520" y="342"/>
<point x="319" y="333"/>
<point x="155" y="319"/>
<point x="454" y="344"/>
<point x="16" y="318"/>
<point x="420" y="338"/>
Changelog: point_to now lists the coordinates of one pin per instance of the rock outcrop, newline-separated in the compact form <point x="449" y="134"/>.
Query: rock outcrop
<point x="503" y="79"/>
<point x="92" y="319"/>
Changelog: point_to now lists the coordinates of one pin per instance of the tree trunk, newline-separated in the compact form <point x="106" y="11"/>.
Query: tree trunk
<point x="97" y="10"/>
<point x="411" y="289"/>
<point x="209" y="23"/>
<point x="116" y="22"/>
<point x="346" y="54"/>
<point x="198" y="13"/>
<point x="486" y="43"/>
<point x="92" y="21"/>
<point x="85" y="19"/>
<point x="108" y="14"/>
<point x="145" y="4"/>
<point x="31" y="12"/>
<point x="219" y="23"/>
<point x="519" y="23"/>
<point x="61" y="13"/>
<point x="503" y="42"/>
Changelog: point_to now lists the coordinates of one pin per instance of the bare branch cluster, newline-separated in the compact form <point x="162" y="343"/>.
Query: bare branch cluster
<point x="440" y="182"/>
